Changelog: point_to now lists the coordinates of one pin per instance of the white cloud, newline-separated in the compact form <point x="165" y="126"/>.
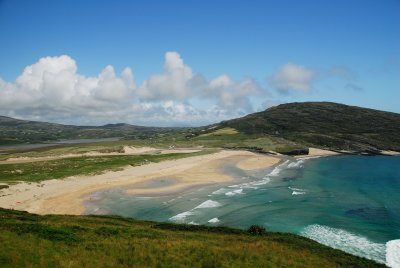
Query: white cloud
<point x="178" y="83"/>
<point x="53" y="90"/>
<point x="52" y="85"/>
<point x="172" y="84"/>
<point x="231" y="94"/>
<point x="292" y="77"/>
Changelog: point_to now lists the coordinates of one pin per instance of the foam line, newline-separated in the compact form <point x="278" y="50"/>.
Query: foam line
<point x="393" y="253"/>
<point x="235" y="192"/>
<point x="181" y="217"/>
<point x="346" y="241"/>
<point x="214" y="220"/>
<point x="208" y="204"/>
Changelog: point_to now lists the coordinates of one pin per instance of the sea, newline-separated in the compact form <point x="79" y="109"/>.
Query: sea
<point x="351" y="203"/>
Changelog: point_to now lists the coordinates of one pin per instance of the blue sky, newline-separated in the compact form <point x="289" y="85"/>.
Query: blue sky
<point x="225" y="58"/>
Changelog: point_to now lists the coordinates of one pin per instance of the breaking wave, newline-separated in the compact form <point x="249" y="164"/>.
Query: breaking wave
<point x="297" y="191"/>
<point x="393" y="253"/>
<point x="297" y="164"/>
<point x="181" y="217"/>
<point x="214" y="220"/>
<point x="346" y="241"/>
<point x="208" y="204"/>
<point x="278" y="169"/>
<point x="235" y="192"/>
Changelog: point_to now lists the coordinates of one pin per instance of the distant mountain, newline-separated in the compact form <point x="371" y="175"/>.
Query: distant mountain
<point x="325" y="125"/>
<point x="15" y="131"/>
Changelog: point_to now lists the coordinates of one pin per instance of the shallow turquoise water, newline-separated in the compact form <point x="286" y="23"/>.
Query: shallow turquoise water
<point x="347" y="202"/>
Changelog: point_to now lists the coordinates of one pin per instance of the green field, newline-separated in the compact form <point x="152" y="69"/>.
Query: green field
<point x="28" y="240"/>
<point x="85" y="165"/>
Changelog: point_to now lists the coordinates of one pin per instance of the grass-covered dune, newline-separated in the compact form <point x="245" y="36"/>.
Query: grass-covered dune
<point x="84" y="165"/>
<point x="28" y="240"/>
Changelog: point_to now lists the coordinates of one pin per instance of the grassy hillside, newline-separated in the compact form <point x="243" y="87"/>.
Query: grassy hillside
<point x="324" y="125"/>
<point x="15" y="131"/>
<point x="28" y="240"/>
<point x="286" y="128"/>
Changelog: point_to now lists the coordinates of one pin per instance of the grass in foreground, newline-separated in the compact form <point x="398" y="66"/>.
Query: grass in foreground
<point x="62" y="168"/>
<point x="28" y="240"/>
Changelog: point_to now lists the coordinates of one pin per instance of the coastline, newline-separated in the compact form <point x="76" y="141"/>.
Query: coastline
<point x="67" y="196"/>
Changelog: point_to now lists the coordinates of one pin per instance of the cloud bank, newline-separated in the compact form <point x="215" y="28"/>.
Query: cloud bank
<point x="53" y="90"/>
<point x="293" y="78"/>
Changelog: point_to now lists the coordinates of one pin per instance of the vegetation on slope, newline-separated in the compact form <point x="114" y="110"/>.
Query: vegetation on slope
<point x="325" y="125"/>
<point x="287" y="128"/>
<point x="28" y="240"/>
<point x="15" y="131"/>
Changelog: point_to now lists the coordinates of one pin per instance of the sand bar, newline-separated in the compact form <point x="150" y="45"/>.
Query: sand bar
<point x="390" y="153"/>
<point x="315" y="152"/>
<point x="258" y="162"/>
<point x="67" y="196"/>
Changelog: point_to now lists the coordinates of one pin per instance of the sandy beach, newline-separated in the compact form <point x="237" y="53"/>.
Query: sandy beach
<point x="67" y="196"/>
<point x="315" y="152"/>
<point x="390" y="153"/>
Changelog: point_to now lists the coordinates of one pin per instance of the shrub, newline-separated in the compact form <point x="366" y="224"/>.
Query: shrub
<point x="43" y="231"/>
<point x="107" y="231"/>
<point x="257" y="230"/>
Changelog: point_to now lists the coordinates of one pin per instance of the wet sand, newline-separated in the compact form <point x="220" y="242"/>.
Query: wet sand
<point x="68" y="195"/>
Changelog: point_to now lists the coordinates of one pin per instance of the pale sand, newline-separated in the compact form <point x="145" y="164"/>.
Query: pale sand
<point x="258" y="162"/>
<point x="391" y="153"/>
<point x="127" y="150"/>
<point x="67" y="196"/>
<point x="320" y="152"/>
<point x="317" y="152"/>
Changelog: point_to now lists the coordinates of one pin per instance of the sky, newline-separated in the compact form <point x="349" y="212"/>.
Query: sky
<point x="191" y="63"/>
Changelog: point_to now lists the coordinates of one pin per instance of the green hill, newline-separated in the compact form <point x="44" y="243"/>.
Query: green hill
<point x="15" y="131"/>
<point x="28" y="240"/>
<point x="324" y="125"/>
<point x="285" y="128"/>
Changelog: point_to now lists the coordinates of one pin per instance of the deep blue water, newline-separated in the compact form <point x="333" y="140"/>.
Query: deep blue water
<point x="347" y="202"/>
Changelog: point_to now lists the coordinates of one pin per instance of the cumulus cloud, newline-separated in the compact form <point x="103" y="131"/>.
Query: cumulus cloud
<point x="231" y="94"/>
<point x="293" y="78"/>
<point x="52" y="85"/>
<point x="173" y="83"/>
<point x="53" y="90"/>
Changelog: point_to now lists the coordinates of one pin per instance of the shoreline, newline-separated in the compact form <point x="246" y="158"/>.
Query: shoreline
<point x="67" y="196"/>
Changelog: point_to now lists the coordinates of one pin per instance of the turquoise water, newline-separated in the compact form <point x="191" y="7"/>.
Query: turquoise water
<point x="347" y="202"/>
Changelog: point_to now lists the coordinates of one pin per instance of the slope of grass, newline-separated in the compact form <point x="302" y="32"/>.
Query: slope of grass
<point x="57" y="169"/>
<point x="15" y="131"/>
<point x="28" y="240"/>
<point x="220" y="132"/>
<point x="325" y="125"/>
<point x="288" y="127"/>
